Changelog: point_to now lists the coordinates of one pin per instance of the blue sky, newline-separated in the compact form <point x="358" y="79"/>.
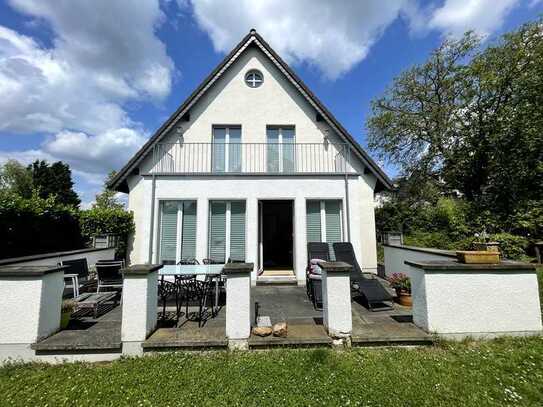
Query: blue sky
<point x="87" y="82"/>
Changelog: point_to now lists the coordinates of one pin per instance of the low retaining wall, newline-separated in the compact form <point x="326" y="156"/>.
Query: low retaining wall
<point x="396" y="256"/>
<point x="455" y="300"/>
<point x="52" y="259"/>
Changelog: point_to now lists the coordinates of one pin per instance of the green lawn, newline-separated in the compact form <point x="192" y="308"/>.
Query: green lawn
<point x="496" y="373"/>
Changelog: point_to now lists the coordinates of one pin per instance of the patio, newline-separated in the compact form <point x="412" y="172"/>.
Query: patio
<point x="305" y="327"/>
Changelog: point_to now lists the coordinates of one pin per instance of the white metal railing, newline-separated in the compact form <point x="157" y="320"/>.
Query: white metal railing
<point x="240" y="158"/>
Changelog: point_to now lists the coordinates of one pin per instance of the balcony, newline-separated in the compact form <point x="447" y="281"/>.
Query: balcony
<point x="251" y="158"/>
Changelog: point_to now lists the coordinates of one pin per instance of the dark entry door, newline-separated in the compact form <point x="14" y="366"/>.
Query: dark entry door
<point x="277" y="234"/>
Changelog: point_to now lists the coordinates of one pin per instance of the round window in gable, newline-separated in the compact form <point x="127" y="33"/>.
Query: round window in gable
<point x="254" y="78"/>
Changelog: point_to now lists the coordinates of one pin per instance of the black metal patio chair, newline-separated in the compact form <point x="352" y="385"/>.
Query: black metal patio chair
<point x="365" y="284"/>
<point x="167" y="290"/>
<point x="109" y="275"/>
<point x="78" y="272"/>
<point x="195" y="292"/>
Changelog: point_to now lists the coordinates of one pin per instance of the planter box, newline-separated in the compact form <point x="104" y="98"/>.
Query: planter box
<point x="488" y="247"/>
<point x="478" y="257"/>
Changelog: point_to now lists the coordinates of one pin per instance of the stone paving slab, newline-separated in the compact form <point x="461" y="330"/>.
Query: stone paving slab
<point x="298" y="334"/>
<point x="188" y="337"/>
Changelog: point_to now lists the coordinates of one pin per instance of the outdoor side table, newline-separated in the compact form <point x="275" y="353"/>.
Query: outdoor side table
<point x="93" y="301"/>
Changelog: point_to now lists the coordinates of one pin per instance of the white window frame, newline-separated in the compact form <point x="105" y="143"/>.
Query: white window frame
<point x="228" y="228"/>
<point x="280" y="144"/>
<point x="252" y="83"/>
<point x="323" y="217"/>
<point x="226" y="144"/>
<point x="179" y="234"/>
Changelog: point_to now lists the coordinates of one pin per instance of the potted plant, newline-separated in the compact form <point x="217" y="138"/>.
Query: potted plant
<point x="67" y="308"/>
<point x="401" y="283"/>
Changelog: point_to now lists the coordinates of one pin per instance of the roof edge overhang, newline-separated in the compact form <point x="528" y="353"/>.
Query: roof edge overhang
<point x="119" y="182"/>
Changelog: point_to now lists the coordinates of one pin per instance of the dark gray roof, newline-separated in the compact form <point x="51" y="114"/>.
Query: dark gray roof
<point x="119" y="181"/>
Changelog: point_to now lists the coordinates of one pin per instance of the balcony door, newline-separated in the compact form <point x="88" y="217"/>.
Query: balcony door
<point x="280" y="149"/>
<point x="226" y="149"/>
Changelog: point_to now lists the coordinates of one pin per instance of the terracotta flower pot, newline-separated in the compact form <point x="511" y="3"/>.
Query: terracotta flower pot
<point x="405" y="299"/>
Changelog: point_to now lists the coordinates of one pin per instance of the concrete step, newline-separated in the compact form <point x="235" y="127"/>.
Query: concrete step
<point x="276" y="280"/>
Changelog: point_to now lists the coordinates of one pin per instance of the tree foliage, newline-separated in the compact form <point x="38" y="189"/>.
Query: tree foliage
<point x="36" y="225"/>
<point x="16" y="178"/>
<point x="108" y="197"/>
<point x="54" y="179"/>
<point x="467" y="124"/>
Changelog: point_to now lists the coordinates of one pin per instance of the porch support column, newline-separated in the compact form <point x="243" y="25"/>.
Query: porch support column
<point x="336" y="293"/>
<point x="238" y="304"/>
<point x="139" y="306"/>
<point x="30" y="303"/>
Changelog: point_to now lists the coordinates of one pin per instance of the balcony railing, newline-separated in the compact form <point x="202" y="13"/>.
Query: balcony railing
<point x="251" y="158"/>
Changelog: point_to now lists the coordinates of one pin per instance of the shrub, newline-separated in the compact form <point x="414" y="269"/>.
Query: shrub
<point x="36" y="225"/>
<point x="114" y="221"/>
<point x="511" y="246"/>
<point x="436" y="240"/>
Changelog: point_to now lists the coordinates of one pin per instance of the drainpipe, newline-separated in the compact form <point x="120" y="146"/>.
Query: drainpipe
<point x="347" y="207"/>
<point x="151" y="230"/>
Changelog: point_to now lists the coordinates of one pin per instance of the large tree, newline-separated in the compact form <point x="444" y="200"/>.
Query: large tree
<point x="107" y="199"/>
<point x="16" y="178"/>
<point x="470" y="119"/>
<point x="54" y="179"/>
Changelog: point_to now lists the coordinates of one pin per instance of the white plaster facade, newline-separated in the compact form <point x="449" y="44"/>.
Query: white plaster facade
<point x="476" y="303"/>
<point x="227" y="100"/>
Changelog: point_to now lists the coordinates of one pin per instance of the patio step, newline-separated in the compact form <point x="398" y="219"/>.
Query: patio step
<point x="276" y="280"/>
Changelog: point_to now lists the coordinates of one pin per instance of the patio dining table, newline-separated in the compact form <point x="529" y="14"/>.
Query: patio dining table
<point x="212" y="271"/>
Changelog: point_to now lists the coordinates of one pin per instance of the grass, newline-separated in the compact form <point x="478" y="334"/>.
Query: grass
<point x="495" y="373"/>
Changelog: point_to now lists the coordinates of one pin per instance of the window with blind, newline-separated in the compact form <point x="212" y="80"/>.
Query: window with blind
<point x="280" y="149"/>
<point x="226" y="149"/>
<point x="324" y="222"/>
<point x="177" y="235"/>
<point x="227" y="230"/>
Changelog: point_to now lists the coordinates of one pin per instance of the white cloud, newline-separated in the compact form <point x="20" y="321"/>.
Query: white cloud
<point x="455" y="17"/>
<point x="95" y="154"/>
<point x="333" y="36"/>
<point x="101" y="55"/>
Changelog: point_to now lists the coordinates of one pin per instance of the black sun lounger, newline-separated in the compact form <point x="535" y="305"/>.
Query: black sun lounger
<point x="370" y="287"/>
<point x="316" y="250"/>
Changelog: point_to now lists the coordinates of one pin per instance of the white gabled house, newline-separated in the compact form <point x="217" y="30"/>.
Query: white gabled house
<point x="251" y="167"/>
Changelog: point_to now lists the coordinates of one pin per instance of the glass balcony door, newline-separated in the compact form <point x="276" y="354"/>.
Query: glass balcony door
<point x="281" y="149"/>
<point x="226" y="149"/>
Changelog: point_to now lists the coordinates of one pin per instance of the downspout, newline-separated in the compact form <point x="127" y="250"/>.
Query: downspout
<point x="347" y="206"/>
<point x="151" y="230"/>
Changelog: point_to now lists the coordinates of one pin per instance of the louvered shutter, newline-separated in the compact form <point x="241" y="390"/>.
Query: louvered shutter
<point x="168" y="231"/>
<point x="237" y="230"/>
<point x="217" y="233"/>
<point x="188" y="248"/>
<point x="333" y="224"/>
<point x="313" y="221"/>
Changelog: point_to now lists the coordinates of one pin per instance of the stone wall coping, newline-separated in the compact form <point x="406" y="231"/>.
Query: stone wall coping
<point x="14" y="260"/>
<point x="335" y="266"/>
<point x="447" y="253"/>
<point x="29" y="271"/>
<point x="236" y="268"/>
<point x="140" y="269"/>
<point x="448" y="266"/>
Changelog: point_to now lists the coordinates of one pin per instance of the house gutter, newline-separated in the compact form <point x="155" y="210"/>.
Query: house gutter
<point x="151" y="231"/>
<point x="347" y="207"/>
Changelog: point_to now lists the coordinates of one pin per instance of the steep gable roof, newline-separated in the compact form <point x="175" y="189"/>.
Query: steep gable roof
<point x="252" y="39"/>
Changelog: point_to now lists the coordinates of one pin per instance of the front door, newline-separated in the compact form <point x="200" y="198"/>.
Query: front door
<point x="276" y="235"/>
